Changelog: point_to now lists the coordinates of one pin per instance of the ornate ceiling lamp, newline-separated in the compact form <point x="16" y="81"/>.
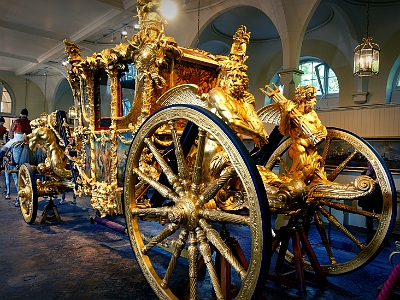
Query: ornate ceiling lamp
<point x="366" y="55"/>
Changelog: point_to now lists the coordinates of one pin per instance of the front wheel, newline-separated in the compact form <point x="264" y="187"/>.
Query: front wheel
<point x="27" y="193"/>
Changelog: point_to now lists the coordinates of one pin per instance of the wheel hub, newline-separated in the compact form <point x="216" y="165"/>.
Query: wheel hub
<point x="184" y="214"/>
<point x="24" y="192"/>
<point x="293" y="194"/>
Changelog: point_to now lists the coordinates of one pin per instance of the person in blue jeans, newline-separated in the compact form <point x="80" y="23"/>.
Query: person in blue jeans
<point x="12" y="159"/>
<point x="63" y="201"/>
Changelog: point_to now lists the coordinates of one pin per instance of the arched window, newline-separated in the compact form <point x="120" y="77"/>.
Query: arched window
<point x="6" y="101"/>
<point x="316" y="73"/>
<point x="320" y="75"/>
<point x="395" y="97"/>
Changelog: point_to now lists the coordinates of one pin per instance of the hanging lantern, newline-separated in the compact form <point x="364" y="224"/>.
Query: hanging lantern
<point x="366" y="58"/>
<point x="366" y="55"/>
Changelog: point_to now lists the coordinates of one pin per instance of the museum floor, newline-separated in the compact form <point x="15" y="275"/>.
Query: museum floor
<point x="77" y="259"/>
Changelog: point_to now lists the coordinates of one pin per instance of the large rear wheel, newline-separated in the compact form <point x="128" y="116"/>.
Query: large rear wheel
<point x="210" y="235"/>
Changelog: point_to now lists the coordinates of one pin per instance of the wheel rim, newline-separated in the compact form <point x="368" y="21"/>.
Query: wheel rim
<point x="352" y="254"/>
<point x="195" y="224"/>
<point x="27" y="193"/>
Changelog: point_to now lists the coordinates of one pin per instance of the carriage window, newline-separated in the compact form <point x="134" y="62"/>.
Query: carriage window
<point x="125" y="91"/>
<point x="103" y="95"/>
<point x="127" y="81"/>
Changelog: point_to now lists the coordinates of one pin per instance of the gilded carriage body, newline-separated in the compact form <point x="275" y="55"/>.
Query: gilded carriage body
<point x="117" y="89"/>
<point x="114" y="91"/>
<point x="113" y="96"/>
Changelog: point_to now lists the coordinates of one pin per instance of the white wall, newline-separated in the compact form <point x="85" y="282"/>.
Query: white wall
<point x="27" y="94"/>
<point x="365" y="121"/>
<point x="65" y="101"/>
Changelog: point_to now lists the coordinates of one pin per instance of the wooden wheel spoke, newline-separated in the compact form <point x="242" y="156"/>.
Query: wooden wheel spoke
<point x="219" y="244"/>
<point x="179" y="246"/>
<point x="166" y="232"/>
<point x="328" y="143"/>
<point x="349" y="208"/>
<point x="25" y="179"/>
<point x="140" y="189"/>
<point x="332" y="175"/>
<point x="205" y="251"/>
<point x="193" y="261"/>
<point x="25" y="201"/>
<point x="322" y="232"/>
<point x="215" y="186"/>
<point x="283" y="163"/>
<point x="180" y="158"/>
<point x="173" y="179"/>
<point x="340" y="226"/>
<point x="198" y="166"/>
<point x="165" y="191"/>
<point x="221" y="216"/>
<point x="156" y="211"/>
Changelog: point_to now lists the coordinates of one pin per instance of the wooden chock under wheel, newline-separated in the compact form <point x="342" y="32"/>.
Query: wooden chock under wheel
<point x="300" y="243"/>
<point x="46" y="216"/>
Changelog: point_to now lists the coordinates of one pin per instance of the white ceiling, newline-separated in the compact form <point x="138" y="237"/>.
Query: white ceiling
<point x="31" y="32"/>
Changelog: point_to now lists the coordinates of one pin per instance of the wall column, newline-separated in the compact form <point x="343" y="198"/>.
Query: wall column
<point x="290" y="79"/>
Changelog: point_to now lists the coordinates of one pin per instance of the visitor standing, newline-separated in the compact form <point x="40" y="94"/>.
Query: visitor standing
<point x="23" y="122"/>
<point x="3" y="132"/>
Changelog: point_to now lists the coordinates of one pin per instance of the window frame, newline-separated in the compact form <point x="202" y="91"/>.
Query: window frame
<point x="12" y="99"/>
<point x="276" y="79"/>
<point x="396" y="81"/>
<point x="326" y="77"/>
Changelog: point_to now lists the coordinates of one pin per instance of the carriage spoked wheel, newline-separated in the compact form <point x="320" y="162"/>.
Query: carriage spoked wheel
<point x="336" y="228"/>
<point x="180" y="243"/>
<point x="27" y="193"/>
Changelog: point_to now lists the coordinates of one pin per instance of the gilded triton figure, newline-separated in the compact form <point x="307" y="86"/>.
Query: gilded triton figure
<point x="231" y="99"/>
<point x="306" y="176"/>
<point x="300" y="121"/>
